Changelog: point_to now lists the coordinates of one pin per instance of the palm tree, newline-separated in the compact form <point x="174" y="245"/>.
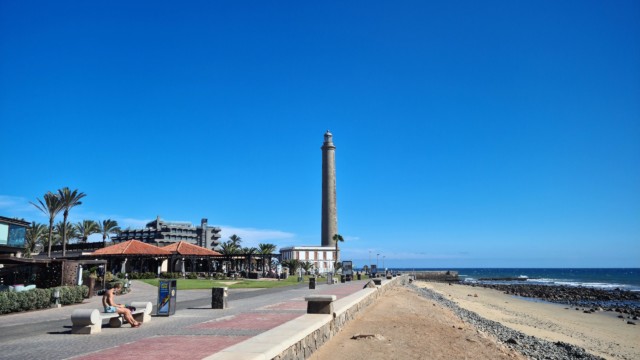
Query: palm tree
<point x="61" y="229"/>
<point x="69" y="199"/>
<point x="307" y="266"/>
<point x="235" y="239"/>
<point x="337" y="238"/>
<point x="266" y="249"/>
<point x="34" y="236"/>
<point x="292" y="264"/>
<point x="228" y="249"/>
<point x="54" y="238"/>
<point x="107" y="227"/>
<point x="87" y="228"/>
<point x="51" y="206"/>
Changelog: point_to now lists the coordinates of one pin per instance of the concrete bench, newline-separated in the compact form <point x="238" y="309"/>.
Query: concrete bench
<point x="320" y="304"/>
<point x="89" y="321"/>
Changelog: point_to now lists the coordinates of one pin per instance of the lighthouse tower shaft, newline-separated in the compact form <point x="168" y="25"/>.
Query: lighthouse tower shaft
<point x="329" y="204"/>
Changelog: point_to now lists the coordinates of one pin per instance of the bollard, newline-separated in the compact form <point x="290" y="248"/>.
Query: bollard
<point x="219" y="298"/>
<point x="312" y="283"/>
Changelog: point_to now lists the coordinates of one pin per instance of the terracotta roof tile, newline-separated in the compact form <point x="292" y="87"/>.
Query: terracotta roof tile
<point x="185" y="248"/>
<point x="132" y="247"/>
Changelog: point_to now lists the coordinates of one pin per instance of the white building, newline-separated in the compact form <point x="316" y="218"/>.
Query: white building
<point x="322" y="257"/>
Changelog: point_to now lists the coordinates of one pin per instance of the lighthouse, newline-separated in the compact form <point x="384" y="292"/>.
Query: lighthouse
<point x="329" y="204"/>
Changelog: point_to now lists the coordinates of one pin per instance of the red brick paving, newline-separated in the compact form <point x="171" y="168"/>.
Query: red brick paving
<point x="249" y="321"/>
<point x="167" y="347"/>
<point x="287" y="305"/>
<point x="200" y="346"/>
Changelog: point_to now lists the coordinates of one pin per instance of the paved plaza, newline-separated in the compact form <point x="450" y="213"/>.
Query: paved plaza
<point x="194" y="332"/>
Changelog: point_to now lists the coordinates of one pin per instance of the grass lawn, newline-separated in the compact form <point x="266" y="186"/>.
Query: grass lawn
<point x="190" y="284"/>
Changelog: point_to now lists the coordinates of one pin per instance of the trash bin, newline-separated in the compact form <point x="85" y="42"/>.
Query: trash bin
<point x="312" y="283"/>
<point x="359" y="276"/>
<point x="342" y="278"/>
<point x="219" y="297"/>
<point x="166" y="297"/>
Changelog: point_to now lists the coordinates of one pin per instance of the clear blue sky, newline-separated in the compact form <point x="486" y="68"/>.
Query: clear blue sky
<point x="468" y="134"/>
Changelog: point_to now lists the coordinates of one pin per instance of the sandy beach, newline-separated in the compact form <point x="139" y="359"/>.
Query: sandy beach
<point x="600" y="333"/>
<point x="405" y="325"/>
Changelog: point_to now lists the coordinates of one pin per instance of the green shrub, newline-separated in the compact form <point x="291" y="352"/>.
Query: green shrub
<point x="71" y="294"/>
<point x="43" y="298"/>
<point x="171" y="275"/>
<point x="11" y="301"/>
<point x="192" y="275"/>
<point x="144" y="275"/>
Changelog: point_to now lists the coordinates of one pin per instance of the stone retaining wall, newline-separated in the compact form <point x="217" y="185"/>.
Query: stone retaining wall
<point x="309" y="344"/>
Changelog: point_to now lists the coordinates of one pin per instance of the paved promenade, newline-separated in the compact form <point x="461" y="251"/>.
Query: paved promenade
<point x="194" y="332"/>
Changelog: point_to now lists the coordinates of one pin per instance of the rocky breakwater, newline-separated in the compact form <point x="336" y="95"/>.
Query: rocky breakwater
<point x="627" y="303"/>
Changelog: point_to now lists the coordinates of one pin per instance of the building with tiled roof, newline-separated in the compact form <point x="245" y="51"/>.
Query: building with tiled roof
<point x="132" y="248"/>
<point x="187" y="249"/>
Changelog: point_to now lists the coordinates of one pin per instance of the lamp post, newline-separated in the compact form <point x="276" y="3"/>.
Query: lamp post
<point x="369" y="264"/>
<point x="384" y="256"/>
<point x="377" y="259"/>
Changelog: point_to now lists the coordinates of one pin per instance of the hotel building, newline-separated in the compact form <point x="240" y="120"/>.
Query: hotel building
<point x="163" y="233"/>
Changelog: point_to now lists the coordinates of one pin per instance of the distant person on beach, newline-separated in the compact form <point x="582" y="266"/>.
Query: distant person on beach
<point x="110" y="306"/>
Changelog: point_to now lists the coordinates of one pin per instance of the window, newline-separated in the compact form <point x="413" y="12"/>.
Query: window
<point x="17" y="236"/>
<point x="4" y="234"/>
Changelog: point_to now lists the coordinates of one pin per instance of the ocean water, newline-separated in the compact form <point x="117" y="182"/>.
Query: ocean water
<point x="627" y="279"/>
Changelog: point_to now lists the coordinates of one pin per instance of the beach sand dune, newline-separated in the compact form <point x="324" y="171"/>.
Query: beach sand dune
<point x="600" y="333"/>
<point x="405" y="325"/>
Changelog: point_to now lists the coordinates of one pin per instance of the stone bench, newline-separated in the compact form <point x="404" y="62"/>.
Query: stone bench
<point x="89" y="321"/>
<point x="320" y="304"/>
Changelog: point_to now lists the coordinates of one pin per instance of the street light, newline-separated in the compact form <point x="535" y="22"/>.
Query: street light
<point x="384" y="256"/>
<point x="377" y="259"/>
<point x="369" y="264"/>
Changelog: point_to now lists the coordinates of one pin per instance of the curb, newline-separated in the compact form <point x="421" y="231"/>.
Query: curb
<point x="300" y="337"/>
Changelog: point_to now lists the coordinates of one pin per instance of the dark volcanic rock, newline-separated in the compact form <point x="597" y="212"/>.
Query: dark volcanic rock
<point x="582" y="298"/>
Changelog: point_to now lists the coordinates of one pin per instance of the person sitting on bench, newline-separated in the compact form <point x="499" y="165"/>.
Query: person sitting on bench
<point x="110" y="306"/>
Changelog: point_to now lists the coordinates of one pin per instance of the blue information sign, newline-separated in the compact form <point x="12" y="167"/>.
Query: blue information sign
<point x="166" y="297"/>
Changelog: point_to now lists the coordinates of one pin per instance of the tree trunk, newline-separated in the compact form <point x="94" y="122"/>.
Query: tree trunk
<point x="64" y="234"/>
<point x="50" y="236"/>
